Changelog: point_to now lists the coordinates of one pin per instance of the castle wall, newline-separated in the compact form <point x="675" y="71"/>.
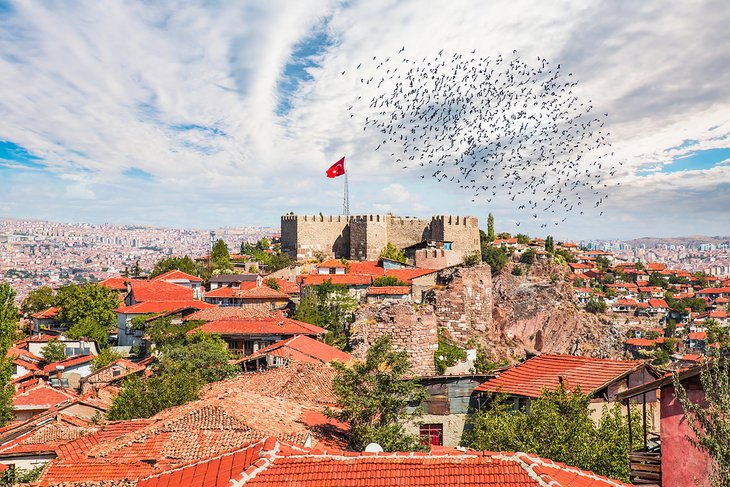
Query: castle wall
<point x="368" y="236"/>
<point x="403" y="232"/>
<point x="304" y="236"/>
<point x="462" y="231"/>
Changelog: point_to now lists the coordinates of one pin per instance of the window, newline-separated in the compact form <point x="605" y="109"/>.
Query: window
<point x="432" y="434"/>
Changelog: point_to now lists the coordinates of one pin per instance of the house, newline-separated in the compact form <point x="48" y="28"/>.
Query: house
<point x="182" y="279"/>
<point x="69" y="372"/>
<point x="445" y="410"/>
<point x="248" y="333"/>
<point x="433" y="254"/>
<point x="356" y="284"/>
<point x="37" y="343"/>
<point x="583" y="294"/>
<point x="625" y="306"/>
<point x="379" y="294"/>
<point x="272" y="462"/>
<point x="299" y="348"/>
<point x="657" y="306"/>
<point x="24" y="362"/>
<point x="39" y="398"/>
<point x="712" y="293"/>
<point x="510" y="243"/>
<point x="601" y="378"/>
<point x="675" y="460"/>
<point x="111" y="374"/>
<point x="46" y="320"/>
<point x="332" y="267"/>
<point x="243" y="281"/>
<point x="259" y="296"/>
<point x="696" y="340"/>
<point x="128" y="336"/>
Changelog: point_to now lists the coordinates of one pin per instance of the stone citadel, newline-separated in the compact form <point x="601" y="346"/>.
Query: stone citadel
<point x="363" y="237"/>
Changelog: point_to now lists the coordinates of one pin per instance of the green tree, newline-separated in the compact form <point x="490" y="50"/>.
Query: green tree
<point x="280" y="260"/>
<point x="220" y="259"/>
<point x="472" y="259"/>
<point x="490" y="228"/>
<point x="374" y="396"/>
<point x="247" y="248"/>
<point x="89" y="329"/>
<point x="549" y="244"/>
<point x="559" y="427"/>
<point x="88" y="303"/>
<point x="710" y="423"/>
<point x="496" y="257"/>
<point x="330" y="306"/>
<point x="8" y="332"/>
<point x="263" y="244"/>
<point x="523" y="239"/>
<point x="272" y="283"/>
<point x="602" y="263"/>
<point x="184" y="367"/>
<point x="163" y="331"/>
<point x="517" y="270"/>
<point x="106" y="356"/>
<point x="393" y="253"/>
<point x="528" y="257"/>
<point x="167" y="264"/>
<point x="656" y="279"/>
<point x="596" y="306"/>
<point x="382" y="281"/>
<point x="54" y="351"/>
<point x="38" y="300"/>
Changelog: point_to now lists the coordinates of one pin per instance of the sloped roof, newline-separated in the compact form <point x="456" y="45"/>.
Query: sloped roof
<point x="146" y="307"/>
<point x="160" y="291"/>
<point x="301" y="348"/>
<point x="176" y="275"/>
<point x="176" y="436"/>
<point x="407" y="275"/>
<point x="344" y="279"/>
<point x="68" y="362"/>
<point x="273" y="463"/>
<point x="117" y="283"/>
<point x="270" y="324"/>
<point x="51" y="312"/>
<point x="308" y="383"/>
<point x="228" y="312"/>
<point x="41" y="396"/>
<point x="388" y="290"/>
<point x="545" y="371"/>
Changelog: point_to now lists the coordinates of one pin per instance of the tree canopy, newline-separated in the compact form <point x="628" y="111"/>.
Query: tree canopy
<point x="54" y="351"/>
<point x="167" y="264"/>
<point x="393" y="253"/>
<point x="490" y="228"/>
<point x="374" y="396"/>
<point x="38" y="300"/>
<point x="496" y="257"/>
<point x="220" y="258"/>
<point x="184" y="367"/>
<point x="330" y="306"/>
<point x="8" y="330"/>
<point x="88" y="311"/>
<point x="559" y="427"/>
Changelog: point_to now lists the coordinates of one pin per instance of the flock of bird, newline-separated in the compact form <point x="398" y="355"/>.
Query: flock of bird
<point x="497" y="127"/>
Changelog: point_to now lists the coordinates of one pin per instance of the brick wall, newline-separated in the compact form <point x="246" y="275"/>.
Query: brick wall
<point x="411" y="330"/>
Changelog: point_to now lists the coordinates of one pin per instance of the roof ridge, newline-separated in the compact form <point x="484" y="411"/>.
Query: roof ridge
<point x="544" y="480"/>
<point x="266" y="458"/>
<point x="570" y="468"/>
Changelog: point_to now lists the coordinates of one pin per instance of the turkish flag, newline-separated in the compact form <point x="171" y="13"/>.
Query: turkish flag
<point x="337" y="169"/>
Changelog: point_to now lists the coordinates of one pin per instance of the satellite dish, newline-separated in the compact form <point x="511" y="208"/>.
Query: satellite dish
<point x="374" y="448"/>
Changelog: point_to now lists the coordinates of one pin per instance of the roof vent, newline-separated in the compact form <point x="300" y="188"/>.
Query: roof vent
<point x="374" y="448"/>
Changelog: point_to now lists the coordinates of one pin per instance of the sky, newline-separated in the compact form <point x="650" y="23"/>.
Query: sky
<point x="208" y="114"/>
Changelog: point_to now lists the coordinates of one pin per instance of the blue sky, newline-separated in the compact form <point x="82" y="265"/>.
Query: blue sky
<point x="206" y="114"/>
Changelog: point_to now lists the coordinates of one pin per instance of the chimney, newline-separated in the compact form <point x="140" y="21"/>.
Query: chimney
<point x="59" y="372"/>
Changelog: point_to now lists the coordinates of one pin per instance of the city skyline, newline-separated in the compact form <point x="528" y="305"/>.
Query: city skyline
<point x="228" y="115"/>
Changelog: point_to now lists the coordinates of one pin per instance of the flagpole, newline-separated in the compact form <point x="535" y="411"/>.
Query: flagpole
<point x="346" y="199"/>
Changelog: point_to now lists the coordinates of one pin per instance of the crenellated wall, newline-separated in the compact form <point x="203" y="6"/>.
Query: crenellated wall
<point x="363" y="237"/>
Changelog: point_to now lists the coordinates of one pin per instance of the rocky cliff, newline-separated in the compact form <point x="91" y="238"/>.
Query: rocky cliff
<point x="508" y="315"/>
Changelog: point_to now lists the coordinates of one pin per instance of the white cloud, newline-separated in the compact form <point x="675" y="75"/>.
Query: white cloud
<point x="188" y="94"/>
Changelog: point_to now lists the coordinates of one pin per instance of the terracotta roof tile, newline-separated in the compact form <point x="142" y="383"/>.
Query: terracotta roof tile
<point x="51" y="312"/>
<point x="177" y="275"/>
<point x="544" y="371"/>
<point x="41" y="396"/>
<point x="343" y="279"/>
<point x="146" y="307"/>
<point x="160" y="291"/>
<point x="270" y="324"/>
<point x="389" y="290"/>
<point x="303" y="348"/>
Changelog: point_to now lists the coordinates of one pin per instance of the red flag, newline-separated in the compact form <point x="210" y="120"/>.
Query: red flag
<point x="337" y="169"/>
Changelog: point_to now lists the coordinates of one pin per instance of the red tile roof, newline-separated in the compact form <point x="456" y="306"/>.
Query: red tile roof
<point x="177" y="436"/>
<point x="544" y="371"/>
<point x="41" y="396"/>
<point x="117" y="283"/>
<point x="227" y="312"/>
<point x="389" y="290"/>
<point x="160" y="291"/>
<point x="345" y="279"/>
<point x="304" y="349"/>
<point x="68" y="362"/>
<point x="275" y="463"/>
<point x="332" y="263"/>
<point x="270" y="324"/>
<point x="697" y="335"/>
<point x="369" y="267"/>
<point x="163" y="306"/>
<point x="289" y="287"/>
<point x="407" y="275"/>
<point x="658" y="303"/>
<point x="641" y="342"/>
<point x="51" y="312"/>
<point x="263" y="292"/>
<point x="714" y="290"/>
<point x="176" y="275"/>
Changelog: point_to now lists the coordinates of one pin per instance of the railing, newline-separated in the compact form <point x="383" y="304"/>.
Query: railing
<point x="646" y="467"/>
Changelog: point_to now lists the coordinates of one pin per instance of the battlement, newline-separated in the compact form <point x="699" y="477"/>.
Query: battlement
<point x="364" y="236"/>
<point x="314" y="218"/>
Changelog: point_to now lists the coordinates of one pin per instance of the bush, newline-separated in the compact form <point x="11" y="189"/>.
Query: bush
<point x="495" y="257"/>
<point x="388" y="281"/>
<point x="517" y="271"/>
<point x="447" y="354"/>
<point x="528" y="257"/>
<point x="393" y="253"/>
<point x="54" y="351"/>
<point x="472" y="259"/>
<point x="596" y="306"/>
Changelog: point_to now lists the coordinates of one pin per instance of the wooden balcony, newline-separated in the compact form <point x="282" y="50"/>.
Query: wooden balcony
<point x="646" y="468"/>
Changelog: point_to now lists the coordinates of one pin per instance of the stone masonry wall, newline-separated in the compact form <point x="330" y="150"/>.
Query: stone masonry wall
<point x="411" y="330"/>
<point x="305" y="235"/>
<point x="403" y="232"/>
<point x="463" y="301"/>
<point x="368" y="236"/>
